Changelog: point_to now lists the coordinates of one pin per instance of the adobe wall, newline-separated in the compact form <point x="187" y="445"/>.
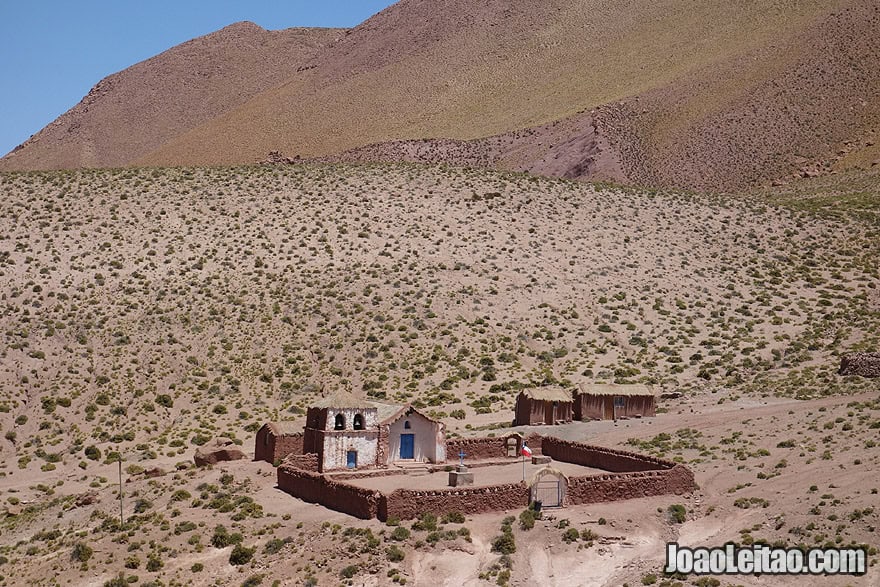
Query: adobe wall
<point x="487" y="447"/>
<point x="306" y="462"/>
<point x="289" y="444"/>
<point x="406" y="504"/>
<point x="861" y="364"/>
<point x="316" y="488"/>
<point x="272" y="449"/>
<point x="678" y="480"/>
<point x="601" y="458"/>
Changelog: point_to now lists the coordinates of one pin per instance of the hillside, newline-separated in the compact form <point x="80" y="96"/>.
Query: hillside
<point x="136" y="111"/>
<point x="716" y="95"/>
<point x="144" y="311"/>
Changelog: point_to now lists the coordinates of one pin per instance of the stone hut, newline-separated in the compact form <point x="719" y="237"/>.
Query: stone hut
<point x="276" y="440"/>
<point x="543" y="405"/>
<point x="861" y="364"/>
<point x="611" y="402"/>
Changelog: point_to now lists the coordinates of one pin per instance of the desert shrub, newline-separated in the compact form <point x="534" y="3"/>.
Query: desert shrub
<point x="427" y="522"/>
<point x="400" y="533"/>
<point x="241" y="555"/>
<point x="677" y="513"/>
<point x="154" y="562"/>
<point x="222" y="538"/>
<point x="527" y="519"/>
<point x="571" y="535"/>
<point x="132" y="562"/>
<point x="93" y="453"/>
<point x="395" y="553"/>
<point x="82" y="552"/>
<point x="197" y="568"/>
<point x="253" y="581"/>
<point x="348" y="572"/>
<point x="453" y="518"/>
<point x="504" y="544"/>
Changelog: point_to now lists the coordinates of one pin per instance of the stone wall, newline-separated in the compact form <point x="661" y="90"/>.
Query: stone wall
<point x="601" y="458"/>
<point x="317" y="488"/>
<point x="488" y="447"/>
<point x="406" y="504"/>
<point x="633" y="476"/>
<point x="861" y="364"/>
<point x="305" y="462"/>
<point x="678" y="480"/>
<point x="272" y="447"/>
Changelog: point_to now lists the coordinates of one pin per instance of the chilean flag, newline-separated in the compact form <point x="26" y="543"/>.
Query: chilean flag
<point x="526" y="451"/>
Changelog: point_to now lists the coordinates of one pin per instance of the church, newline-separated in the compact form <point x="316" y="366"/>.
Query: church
<point x="346" y="432"/>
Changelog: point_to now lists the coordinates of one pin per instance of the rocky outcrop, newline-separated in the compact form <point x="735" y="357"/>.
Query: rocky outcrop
<point x="216" y="451"/>
<point x="861" y="364"/>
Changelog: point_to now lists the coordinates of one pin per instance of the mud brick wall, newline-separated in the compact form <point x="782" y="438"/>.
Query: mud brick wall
<point x="476" y="448"/>
<point x="315" y="488"/>
<point x="601" y="458"/>
<point x="405" y="504"/>
<point x="861" y="364"/>
<point x="486" y="447"/>
<point x="290" y="444"/>
<point x="272" y="449"/>
<point x="619" y="486"/>
<point x="306" y="462"/>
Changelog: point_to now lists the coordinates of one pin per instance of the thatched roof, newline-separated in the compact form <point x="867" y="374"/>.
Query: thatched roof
<point x="342" y="400"/>
<point x="549" y="393"/>
<point x="285" y="428"/>
<point x="614" y="389"/>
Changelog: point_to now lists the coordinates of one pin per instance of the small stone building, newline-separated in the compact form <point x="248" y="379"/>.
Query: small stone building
<point x="611" y="402"/>
<point x="543" y="405"/>
<point x="276" y="440"/>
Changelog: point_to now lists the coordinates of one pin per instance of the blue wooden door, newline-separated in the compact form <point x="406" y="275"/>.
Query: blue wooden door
<point x="352" y="459"/>
<point x="407" y="446"/>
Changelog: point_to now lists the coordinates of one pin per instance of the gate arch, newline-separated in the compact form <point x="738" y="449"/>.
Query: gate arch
<point x="549" y="486"/>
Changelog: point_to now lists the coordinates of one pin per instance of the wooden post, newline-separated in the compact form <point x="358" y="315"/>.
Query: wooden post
<point x="121" y="515"/>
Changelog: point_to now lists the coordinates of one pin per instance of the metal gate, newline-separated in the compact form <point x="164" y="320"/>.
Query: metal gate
<point x="549" y="493"/>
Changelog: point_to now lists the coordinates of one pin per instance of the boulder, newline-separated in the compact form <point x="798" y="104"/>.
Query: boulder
<point x="216" y="451"/>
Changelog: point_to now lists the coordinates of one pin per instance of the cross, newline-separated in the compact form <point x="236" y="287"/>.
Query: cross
<point x="461" y="456"/>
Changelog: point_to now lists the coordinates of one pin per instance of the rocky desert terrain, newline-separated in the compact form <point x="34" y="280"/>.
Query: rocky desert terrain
<point x="146" y="311"/>
<point x="445" y="204"/>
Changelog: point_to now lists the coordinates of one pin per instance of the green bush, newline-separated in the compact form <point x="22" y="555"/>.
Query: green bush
<point x="677" y="513"/>
<point x="571" y="535"/>
<point x="241" y="555"/>
<point x="395" y="554"/>
<point x="349" y="571"/>
<point x="527" y="519"/>
<point x="400" y="533"/>
<point x="82" y="552"/>
<point x="504" y="544"/>
<point x="453" y="518"/>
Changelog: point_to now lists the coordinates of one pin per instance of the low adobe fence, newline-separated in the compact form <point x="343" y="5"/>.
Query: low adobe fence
<point x="631" y="475"/>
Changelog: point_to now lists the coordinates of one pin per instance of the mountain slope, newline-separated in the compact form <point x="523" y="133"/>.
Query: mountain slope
<point x="475" y="69"/>
<point x="135" y="111"/>
<point x="708" y="95"/>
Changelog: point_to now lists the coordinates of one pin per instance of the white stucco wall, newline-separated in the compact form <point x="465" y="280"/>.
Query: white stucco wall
<point x="337" y="445"/>
<point x="371" y="418"/>
<point x="429" y="439"/>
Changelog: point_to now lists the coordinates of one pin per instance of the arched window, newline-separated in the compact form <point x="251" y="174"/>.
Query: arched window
<point x="358" y="422"/>
<point x="340" y="422"/>
<point x="406" y="425"/>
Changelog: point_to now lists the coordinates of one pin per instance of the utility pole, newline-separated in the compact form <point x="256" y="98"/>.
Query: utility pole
<point x="121" y="515"/>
